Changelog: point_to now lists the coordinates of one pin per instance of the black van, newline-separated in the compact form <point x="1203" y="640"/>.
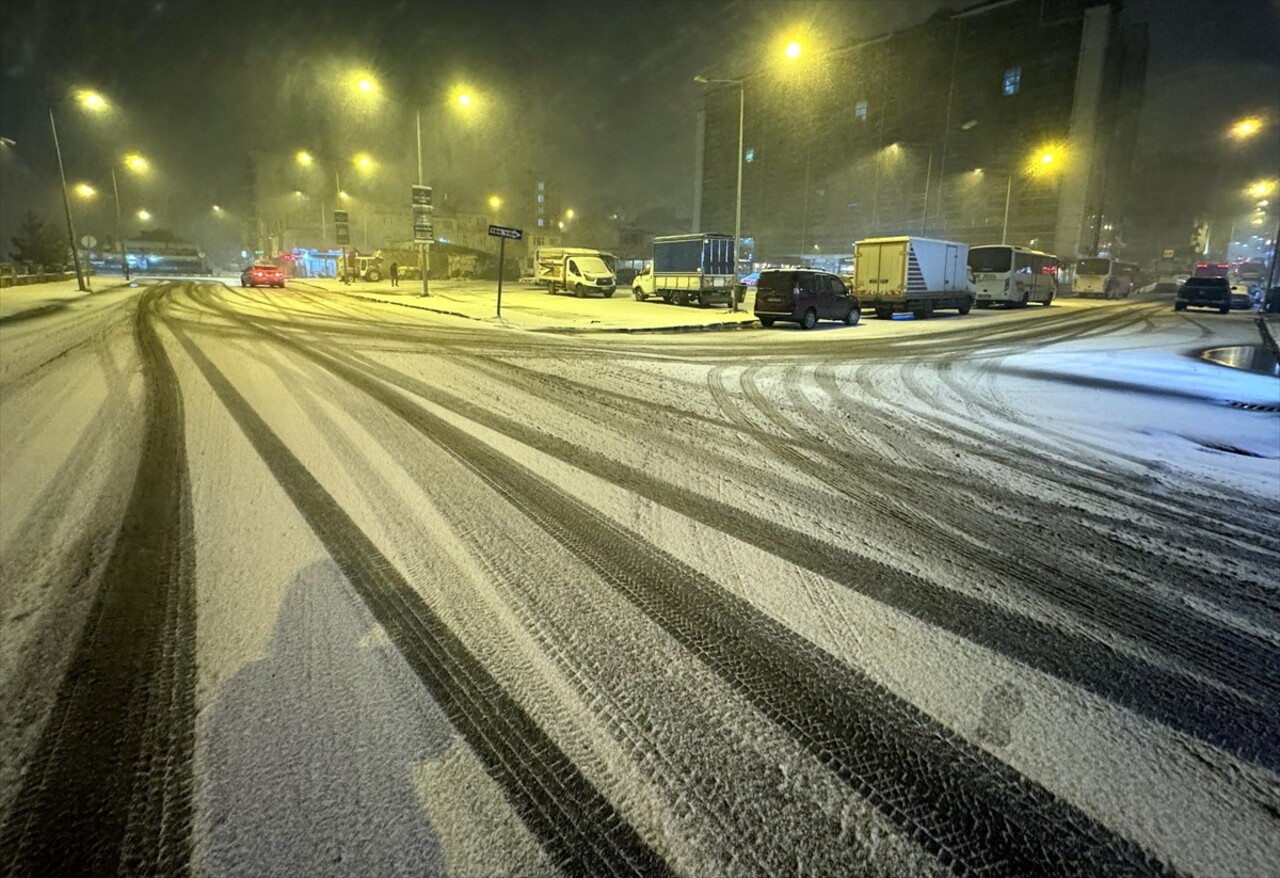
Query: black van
<point x="804" y="296"/>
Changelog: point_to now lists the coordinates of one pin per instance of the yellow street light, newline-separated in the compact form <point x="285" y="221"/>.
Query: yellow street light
<point x="364" y="82"/>
<point x="363" y="161"/>
<point x="495" y="202"/>
<point x="793" y="50"/>
<point x="1046" y="161"/>
<point x="91" y="100"/>
<point x="217" y="209"/>
<point x="561" y="225"/>
<point x="1261" y="188"/>
<point x="344" y="196"/>
<point x="84" y="190"/>
<point x="304" y="158"/>
<point x="136" y="163"/>
<point x="144" y="215"/>
<point x="464" y="100"/>
<point x="1245" y="128"/>
<point x="569" y="214"/>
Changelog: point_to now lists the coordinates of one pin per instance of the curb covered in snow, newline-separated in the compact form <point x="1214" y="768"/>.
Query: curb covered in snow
<point x="563" y="330"/>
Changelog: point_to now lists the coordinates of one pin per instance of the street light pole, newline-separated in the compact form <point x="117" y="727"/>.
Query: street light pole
<point x="737" y="210"/>
<point x="737" y="206"/>
<point x="124" y="260"/>
<point x="81" y="281"/>
<point x="928" y="178"/>
<point x="424" y="254"/>
<point x="1008" y="193"/>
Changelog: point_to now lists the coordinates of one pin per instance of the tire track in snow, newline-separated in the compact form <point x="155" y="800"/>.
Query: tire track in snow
<point x="938" y="788"/>
<point x="109" y="788"/>
<point x="923" y="777"/>
<point x="1237" y="659"/>
<point x="574" y="823"/>
<point x="1173" y="699"/>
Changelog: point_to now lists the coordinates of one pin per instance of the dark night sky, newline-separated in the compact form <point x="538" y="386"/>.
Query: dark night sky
<point x="597" y="96"/>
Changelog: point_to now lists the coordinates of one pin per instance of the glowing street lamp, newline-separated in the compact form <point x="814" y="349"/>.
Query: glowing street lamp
<point x="464" y="100"/>
<point x="144" y="215"/>
<point x="793" y="50"/>
<point x="495" y="202"/>
<point x="85" y="191"/>
<point x="569" y="214"/>
<point x="303" y="158"/>
<point x="1245" y="128"/>
<point x="1261" y="188"/>
<point x="137" y="163"/>
<point x="363" y="162"/>
<point x="91" y="100"/>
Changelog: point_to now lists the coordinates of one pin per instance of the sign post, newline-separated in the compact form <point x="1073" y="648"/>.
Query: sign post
<point x="342" y="234"/>
<point x="423" y="233"/>
<point x="502" y="233"/>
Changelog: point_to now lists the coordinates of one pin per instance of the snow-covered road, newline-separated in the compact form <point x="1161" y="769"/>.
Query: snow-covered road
<point x="296" y="583"/>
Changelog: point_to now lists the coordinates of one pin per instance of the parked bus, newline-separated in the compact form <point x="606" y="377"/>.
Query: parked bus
<point x="1014" y="276"/>
<point x="1106" y="278"/>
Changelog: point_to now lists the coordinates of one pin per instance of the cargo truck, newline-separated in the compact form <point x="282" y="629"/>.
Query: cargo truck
<point x="575" y="269"/>
<point x="690" y="269"/>
<point x="910" y="274"/>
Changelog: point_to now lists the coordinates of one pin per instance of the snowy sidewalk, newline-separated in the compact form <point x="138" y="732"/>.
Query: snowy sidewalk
<point x="35" y="299"/>
<point x="533" y="308"/>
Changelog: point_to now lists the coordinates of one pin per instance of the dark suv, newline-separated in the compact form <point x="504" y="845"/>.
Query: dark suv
<point x="1204" y="292"/>
<point x="804" y="296"/>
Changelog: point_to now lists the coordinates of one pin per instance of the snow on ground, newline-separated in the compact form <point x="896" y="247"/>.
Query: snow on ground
<point x="533" y="308"/>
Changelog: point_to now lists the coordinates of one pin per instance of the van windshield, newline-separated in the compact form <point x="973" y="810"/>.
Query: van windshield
<point x="592" y="265"/>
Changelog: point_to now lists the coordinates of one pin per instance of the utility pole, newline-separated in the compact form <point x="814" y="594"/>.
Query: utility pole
<point x="124" y="260"/>
<point x="81" y="280"/>
<point x="424" y="250"/>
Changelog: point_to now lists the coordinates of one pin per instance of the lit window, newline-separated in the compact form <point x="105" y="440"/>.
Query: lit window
<point x="541" y="197"/>
<point x="541" y="222"/>
<point x="1012" y="80"/>
<point x="749" y="155"/>
<point x="860" y="110"/>
<point x="541" y="186"/>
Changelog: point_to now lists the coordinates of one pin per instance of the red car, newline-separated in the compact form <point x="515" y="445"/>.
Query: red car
<point x="262" y="276"/>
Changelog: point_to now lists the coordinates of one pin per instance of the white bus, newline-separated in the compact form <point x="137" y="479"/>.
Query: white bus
<point x="1107" y="278"/>
<point x="1013" y="276"/>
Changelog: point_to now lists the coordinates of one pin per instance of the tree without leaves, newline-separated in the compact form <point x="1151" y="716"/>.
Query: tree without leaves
<point x="39" y="244"/>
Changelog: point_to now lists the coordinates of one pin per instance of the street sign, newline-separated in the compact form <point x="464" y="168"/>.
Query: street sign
<point x="505" y="232"/>
<point x="422" y="196"/>
<point x="89" y="241"/>
<point x="341" y="227"/>
<point x="423" y="233"/>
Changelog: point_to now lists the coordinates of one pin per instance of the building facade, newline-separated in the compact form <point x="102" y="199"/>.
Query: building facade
<point x="1014" y="120"/>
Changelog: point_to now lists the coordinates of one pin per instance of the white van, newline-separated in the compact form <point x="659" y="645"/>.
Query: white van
<point x="575" y="269"/>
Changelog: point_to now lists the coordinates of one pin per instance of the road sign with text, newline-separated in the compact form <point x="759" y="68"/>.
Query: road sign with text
<point x="505" y="232"/>
<point x="422" y="196"/>
<point x="342" y="226"/>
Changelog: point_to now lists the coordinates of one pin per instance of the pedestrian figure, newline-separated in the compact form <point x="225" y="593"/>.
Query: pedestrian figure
<point x="394" y="271"/>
